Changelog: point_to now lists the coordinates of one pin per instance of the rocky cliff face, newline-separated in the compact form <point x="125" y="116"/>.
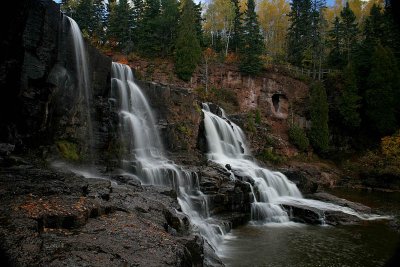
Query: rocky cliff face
<point x="277" y="97"/>
<point x="179" y="115"/>
<point x="40" y="103"/>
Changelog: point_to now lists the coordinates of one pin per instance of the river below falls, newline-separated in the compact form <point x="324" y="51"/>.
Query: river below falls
<point x="371" y="243"/>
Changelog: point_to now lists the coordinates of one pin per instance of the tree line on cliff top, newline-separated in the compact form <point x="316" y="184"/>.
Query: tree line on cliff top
<point x="359" y="40"/>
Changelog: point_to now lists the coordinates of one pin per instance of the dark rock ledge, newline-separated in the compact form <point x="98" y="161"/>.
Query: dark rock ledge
<point x="49" y="218"/>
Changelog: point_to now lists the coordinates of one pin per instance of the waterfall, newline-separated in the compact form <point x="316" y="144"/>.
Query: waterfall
<point x="83" y="79"/>
<point x="227" y="146"/>
<point x="270" y="190"/>
<point x="145" y="157"/>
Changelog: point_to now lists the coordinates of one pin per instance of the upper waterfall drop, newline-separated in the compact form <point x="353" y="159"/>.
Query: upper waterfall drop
<point x="136" y="115"/>
<point x="83" y="81"/>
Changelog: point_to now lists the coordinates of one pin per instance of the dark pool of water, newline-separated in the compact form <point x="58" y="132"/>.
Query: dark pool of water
<point x="362" y="245"/>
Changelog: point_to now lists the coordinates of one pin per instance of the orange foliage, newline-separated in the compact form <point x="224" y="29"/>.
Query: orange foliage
<point x="390" y="146"/>
<point x="231" y="58"/>
<point x="209" y="54"/>
<point x="36" y="207"/>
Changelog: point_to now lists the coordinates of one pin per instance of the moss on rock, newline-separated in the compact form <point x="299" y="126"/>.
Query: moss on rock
<point x="68" y="150"/>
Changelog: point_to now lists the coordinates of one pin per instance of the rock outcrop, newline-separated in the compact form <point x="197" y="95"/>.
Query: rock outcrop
<point x="40" y="102"/>
<point x="50" y="218"/>
<point x="179" y="115"/>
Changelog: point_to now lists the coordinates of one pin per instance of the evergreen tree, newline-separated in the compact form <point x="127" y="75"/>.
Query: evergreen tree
<point x="68" y="7"/>
<point x="382" y="91"/>
<point x="89" y="15"/>
<point x="349" y="30"/>
<point x="335" y="58"/>
<point x="137" y="17"/>
<point x="188" y="50"/>
<point x="148" y="42"/>
<point x="349" y="100"/>
<point x="318" y="37"/>
<point x="168" y="24"/>
<point x="319" y="132"/>
<point x="237" y="27"/>
<point x="120" y="24"/>
<point x="252" y="46"/>
<point x="83" y="15"/>
<point x="198" y="22"/>
<point x="374" y="27"/>
<point x="300" y="30"/>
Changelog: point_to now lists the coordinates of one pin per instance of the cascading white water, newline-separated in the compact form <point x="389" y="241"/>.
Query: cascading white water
<point x="82" y="74"/>
<point x="145" y="153"/>
<point x="227" y="146"/>
<point x="226" y="143"/>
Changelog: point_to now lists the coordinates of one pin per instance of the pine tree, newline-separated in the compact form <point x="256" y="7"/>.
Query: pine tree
<point x="349" y="100"/>
<point x="188" y="50"/>
<point x="318" y="37"/>
<point x="252" y="46"/>
<point x="349" y="29"/>
<point x="120" y="24"/>
<point x="237" y="27"/>
<point x="198" y="23"/>
<point x="137" y="17"/>
<point x="374" y="27"/>
<point x="89" y="15"/>
<point x="335" y="58"/>
<point x="319" y="132"/>
<point x="148" y="42"/>
<point x="68" y="7"/>
<point x="168" y="24"/>
<point x="382" y="92"/>
<point x="300" y="31"/>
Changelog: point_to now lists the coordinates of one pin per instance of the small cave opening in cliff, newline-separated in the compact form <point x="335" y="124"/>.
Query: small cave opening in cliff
<point x="276" y="99"/>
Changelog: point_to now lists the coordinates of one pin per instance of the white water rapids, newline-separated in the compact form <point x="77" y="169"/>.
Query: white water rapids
<point x="144" y="154"/>
<point x="227" y="145"/>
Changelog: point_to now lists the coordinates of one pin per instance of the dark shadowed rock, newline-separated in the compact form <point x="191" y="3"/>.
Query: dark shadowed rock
<point x="303" y="182"/>
<point x="49" y="218"/>
<point x="224" y="194"/>
<point x="310" y="215"/>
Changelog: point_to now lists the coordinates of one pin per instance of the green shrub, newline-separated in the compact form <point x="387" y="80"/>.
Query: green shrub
<point x="250" y="122"/>
<point x="184" y="129"/>
<point x="68" y="150"/>
<point x="257" y="117"/>
<point x="319" y="132"/>
<point x="222" y="95"/>
<point x="298" y="137"/>
<point x="269" y="155"/>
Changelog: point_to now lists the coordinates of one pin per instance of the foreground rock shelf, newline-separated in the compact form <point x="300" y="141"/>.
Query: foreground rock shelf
<point x="49" y="218"/>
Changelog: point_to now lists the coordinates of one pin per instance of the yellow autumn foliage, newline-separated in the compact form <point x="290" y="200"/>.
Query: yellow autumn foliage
<point x="390" y="146"/>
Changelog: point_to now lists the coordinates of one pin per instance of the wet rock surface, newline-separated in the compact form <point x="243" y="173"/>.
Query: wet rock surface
<point x="227" y="197"/>
<point x="53" y="218"/>
<point x="311" y="215"/>
<point x="311" y="177"/>
<point x="340" y="201"/>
